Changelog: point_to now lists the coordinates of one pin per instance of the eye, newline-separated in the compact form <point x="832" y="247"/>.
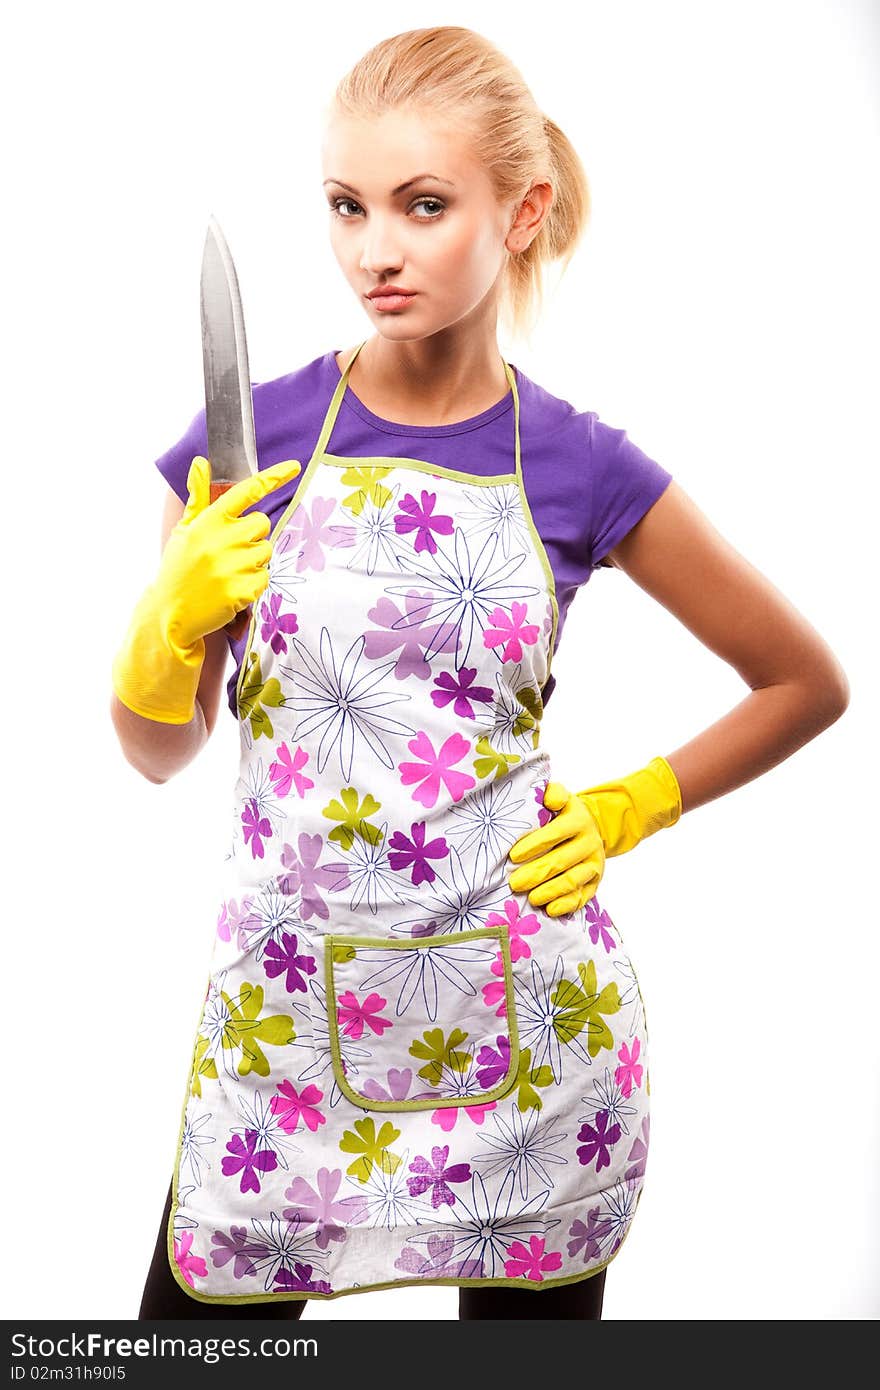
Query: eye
<point x="337" y="203"/>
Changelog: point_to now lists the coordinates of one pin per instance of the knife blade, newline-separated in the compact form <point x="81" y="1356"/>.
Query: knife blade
<point x="229" y="404"/>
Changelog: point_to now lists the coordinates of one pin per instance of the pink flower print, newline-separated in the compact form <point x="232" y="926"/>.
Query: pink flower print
<point x="308" y="534"/>
<point x="598" y="1141"/>
<point x="447" y="1116"/>
<point x="436" y="769"/>
<point x="511" y="629"/>
<point x="462" y="691"/>
<point x="629" y="1073"/>
<point x="543" y="814"/>
<point x="353" y="1017"/>
<point x="496" y="991"/>
<point x="414" y="854"/>
<point x="283" y="960"/>
<point x="532" y="1263"/>
<point x="434" y="1175"/>
<point x="186" y="1262"/>
<point x="598" y="921"/>
<point x="493" y="1063"/>
<point x="412" y="517"/>
<point x="291" y="1106"/>
<point x="274" y="625"/>
<point x="257" y="828"/>
<point x="518" y="927"/>
<point x="320" y="1205"/>
<point x="284" y="772"/>
<point x="400" y="631"/>
<point x="248" y="1160"/>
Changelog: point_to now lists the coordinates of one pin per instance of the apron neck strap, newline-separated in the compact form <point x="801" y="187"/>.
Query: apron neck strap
<point x="336" y="401"/>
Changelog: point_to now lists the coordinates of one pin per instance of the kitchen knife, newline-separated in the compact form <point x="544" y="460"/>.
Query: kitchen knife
<point x="229" y="406"/>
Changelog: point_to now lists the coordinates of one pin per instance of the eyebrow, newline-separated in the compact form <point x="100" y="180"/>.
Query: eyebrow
<point x="401" y="188"/>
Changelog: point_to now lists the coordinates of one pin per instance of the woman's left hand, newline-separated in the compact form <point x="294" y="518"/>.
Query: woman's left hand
<point x="564" y="860"/>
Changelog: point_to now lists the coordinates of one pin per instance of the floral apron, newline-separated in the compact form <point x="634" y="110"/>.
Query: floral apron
<point x="403" y="1073"/>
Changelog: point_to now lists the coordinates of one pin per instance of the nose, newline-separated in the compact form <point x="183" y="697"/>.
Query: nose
<point x="379" y="255"/>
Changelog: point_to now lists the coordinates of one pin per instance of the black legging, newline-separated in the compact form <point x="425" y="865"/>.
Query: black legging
<point x="164" y="1298"/>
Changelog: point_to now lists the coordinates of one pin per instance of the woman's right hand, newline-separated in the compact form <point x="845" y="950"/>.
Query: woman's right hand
<point x="215" y="561"/>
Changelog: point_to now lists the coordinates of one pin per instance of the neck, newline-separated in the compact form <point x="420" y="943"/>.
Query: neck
<point x="433" y="381"/>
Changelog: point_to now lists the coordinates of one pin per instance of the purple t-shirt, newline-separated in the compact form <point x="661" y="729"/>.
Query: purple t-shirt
<point x="586" y="482"/>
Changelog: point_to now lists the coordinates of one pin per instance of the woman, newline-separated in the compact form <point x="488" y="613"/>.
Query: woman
<point x="406" y="1070"/>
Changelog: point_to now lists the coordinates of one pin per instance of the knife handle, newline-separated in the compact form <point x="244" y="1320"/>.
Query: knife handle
<point x="237" y="626"/>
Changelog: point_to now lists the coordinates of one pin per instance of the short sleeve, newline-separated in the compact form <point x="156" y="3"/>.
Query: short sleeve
<point x="174" y="464"/>
<point x="625" y="484"/>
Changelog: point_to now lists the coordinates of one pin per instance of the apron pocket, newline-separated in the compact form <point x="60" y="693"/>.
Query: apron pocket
<point x="421" y="1025"/>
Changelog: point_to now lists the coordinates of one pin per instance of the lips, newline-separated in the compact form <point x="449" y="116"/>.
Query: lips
<point x="389" y="291"/>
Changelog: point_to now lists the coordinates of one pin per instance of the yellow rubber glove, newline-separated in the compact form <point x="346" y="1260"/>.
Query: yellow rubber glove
<point x="564" y="860"/>
<point x="215" y="562"/>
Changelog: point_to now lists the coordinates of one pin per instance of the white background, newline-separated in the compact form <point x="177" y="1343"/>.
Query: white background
<point x="723" y="309"/>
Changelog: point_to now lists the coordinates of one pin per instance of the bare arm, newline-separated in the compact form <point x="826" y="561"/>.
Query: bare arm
<point x="798" y="686"/>
<point x="160" y="750"/>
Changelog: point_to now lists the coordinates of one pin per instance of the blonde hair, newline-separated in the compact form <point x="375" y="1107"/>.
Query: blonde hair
<point x="458" y="75"/>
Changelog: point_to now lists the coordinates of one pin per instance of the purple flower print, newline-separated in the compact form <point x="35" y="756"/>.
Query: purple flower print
<point x="248" y="1160"/>
<point x="434" y="1175"/>
<point x="283" y="960"/>
<point x="414" y="854"/>
<point x="300" y="1277"/>
<point x="531" y="1261"/>
<point x="257" y="828"/>
<point x="543" y="815"/>
<point x="639" y="1153"/>
<point x="598" y="1141"/>
<point x="462" y="691"/>
<point x="412" y="640"/>
<point x="306" y="877"/>
<point x="598" y="921"/>
<point x="286" y="772"/>
<point x="308" y="534"/>
<point x="399" y="1082"/>
<point x="412" y="517"/>
<point x="275" y="625"/>
<point x="493" y="1063"/>
<point x="439" y="1263"/>
<point x="321" y="1206"/>
<point x="234" y="1246"/>
<point x="588" y="1237"/>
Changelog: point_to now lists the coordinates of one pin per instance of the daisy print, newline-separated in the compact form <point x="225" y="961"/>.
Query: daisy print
<point x="372" y="537"/>
<point x="345" y="704"/>
<point x="496" y="511"/>
<point x="464" y="587"/>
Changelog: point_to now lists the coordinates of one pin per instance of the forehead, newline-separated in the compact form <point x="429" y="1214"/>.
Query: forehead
<point x="376" y="153"/>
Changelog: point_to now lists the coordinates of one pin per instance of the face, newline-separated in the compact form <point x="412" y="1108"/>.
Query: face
<point x="443" y="236"/>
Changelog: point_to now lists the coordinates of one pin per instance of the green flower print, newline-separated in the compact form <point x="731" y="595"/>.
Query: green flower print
<point x="583" y="1008"/>
<point x="366" y="483"/>
<point x="439" y="1053"/>
<point x="372" y="1147"/>
<point x="244" y="1027"/>
<point x="491" y="761"/>
<point x="203" y="1065"/>
<point x="255" y="695"/>
<point x="527" y="1078"/>
<point x="353" y="815"/>
<point x="533" y="713"/>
